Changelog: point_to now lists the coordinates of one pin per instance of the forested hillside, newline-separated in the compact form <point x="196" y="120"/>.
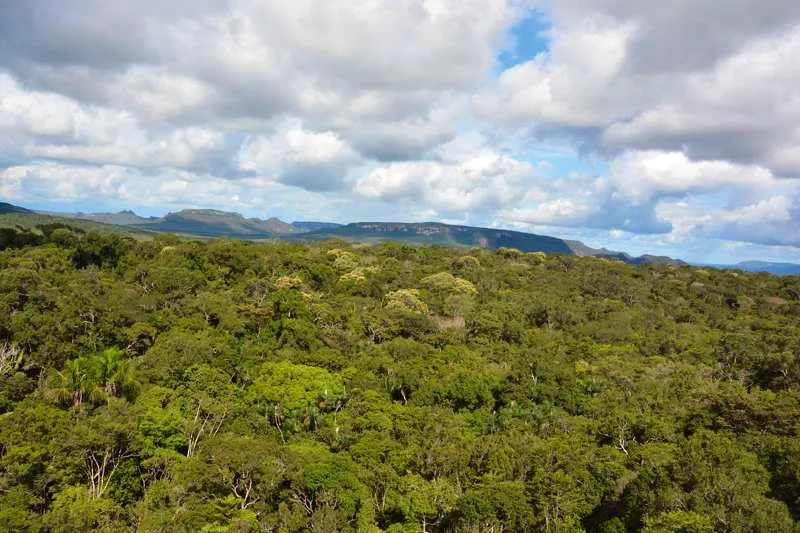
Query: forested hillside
<point x="163" y="385"/>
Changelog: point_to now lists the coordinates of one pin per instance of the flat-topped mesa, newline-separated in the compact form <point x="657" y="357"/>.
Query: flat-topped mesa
<point x="205" y="212"/>
<point x="438" y="233"/>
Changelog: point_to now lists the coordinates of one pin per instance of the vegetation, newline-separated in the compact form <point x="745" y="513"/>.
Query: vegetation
<point x="161" y="385"/>
<point x="212" y="223"/>
<point x="23" y="219"/>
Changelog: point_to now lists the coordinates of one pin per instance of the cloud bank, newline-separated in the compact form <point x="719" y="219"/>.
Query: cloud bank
<point x="675" y="123"/>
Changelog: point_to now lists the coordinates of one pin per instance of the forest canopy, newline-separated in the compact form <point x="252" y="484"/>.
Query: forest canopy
<point x="164" y="385"/>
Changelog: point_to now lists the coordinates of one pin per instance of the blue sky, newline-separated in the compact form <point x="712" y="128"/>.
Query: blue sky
<point x="528" y="37"/>
<point x="617" y="123"/>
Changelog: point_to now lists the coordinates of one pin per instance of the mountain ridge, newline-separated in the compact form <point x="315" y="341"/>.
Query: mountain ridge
<point x="6" y="208"/>
<point x="438" y="233"/>
<point x="216" y="223"/>
<point x="125" y="217"/>
<point x="15" y="217"/>
<point x="210" y="223"/>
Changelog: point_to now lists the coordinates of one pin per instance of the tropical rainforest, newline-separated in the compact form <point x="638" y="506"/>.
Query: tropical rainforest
<point x="166" y="385"/>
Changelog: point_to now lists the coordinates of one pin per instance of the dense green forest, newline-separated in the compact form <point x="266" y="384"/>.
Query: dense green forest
<point x="164" y="385"/>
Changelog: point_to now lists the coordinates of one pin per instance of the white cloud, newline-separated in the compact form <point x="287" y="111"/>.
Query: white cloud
<point x="391" y="108"/>
<point x="154" y="94"/>
<point x="390" y="67"/>
<point x="638" y="177"/>
<point x="717" y="80"/>
<point x="469" y="177"/>
<point x="577" y="83"/>
<point x="628" y="196"/>
<point x="132" y="188"/>
<point x="49" y="125"/>
<point x="746" y="108"/>
<point x="65" y="182"/>
<point x="774" y="220"/>
<point x="298" y="157"/>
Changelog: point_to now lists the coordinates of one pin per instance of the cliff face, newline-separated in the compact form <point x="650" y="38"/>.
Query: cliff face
<point x="435" y="233"/>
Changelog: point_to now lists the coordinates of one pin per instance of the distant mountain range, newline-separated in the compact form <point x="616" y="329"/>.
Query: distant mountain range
<point x="209" y="223"/>
<point x="201" y="222"/>
<point x="782" y="269"/>
<point x="12" y="216"/>
<point x="435" y="233"/>
<point x="764" y="266"/>
<point x="123" y="218"/>
<point x="212" y="223"/>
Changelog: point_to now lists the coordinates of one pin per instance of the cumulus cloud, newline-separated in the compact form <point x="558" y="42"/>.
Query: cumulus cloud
<point x="566" y="86"/>
<point x="479" y="184"/>
<point x="396" y="107"/>
<point x="629" y="195"/>
<point x="66" y="182"/>
<point x="50" y="125"/>
<point x="717" y="80"/>
<point x="774" y="220"/>
<point x="638" y="177"/>
<point x="301" y="158"/>
<point x="387" y="66"/>
<point x="685" y="35"/>
<point x="746" y="109"/>
<point x="126" y="187"/>
<point x="468" y="176"/>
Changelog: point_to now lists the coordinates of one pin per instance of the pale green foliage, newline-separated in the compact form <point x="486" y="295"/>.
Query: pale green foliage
<point x="345" y="261"/>
<point x="466" y="262"/>
<point x="509" y="253"/>
<point x="206" y="400"/>
<point x="288" y="282"/>
<point x="295" y="386"/>
<point x="358" y="274"/>
<point x="336" y="253"/>
<point x="115" y="373"/>
<point x="446" y="282"/>
<point x="406" y="300"/>
<point x="10" y="357"/>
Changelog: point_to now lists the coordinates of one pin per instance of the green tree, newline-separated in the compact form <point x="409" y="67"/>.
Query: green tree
<point x="76" y="384"/>
<point x="115" y="373"/>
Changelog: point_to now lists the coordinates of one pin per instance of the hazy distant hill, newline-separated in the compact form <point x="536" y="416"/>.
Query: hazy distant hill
<point x="785" y="269"/>
<point x="6" y="209"/>
<point x="12" y="216"/>
<point x="578" y="248"/>
<point x="213" y="223"/>
<point x="200" y="222"/>
<point x="781" y="269"/>
<point x="123" y="218"/>
<point x="315" y="226"/>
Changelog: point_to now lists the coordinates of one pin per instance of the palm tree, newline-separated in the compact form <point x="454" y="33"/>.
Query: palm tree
<point x="75" y="384"/>
<point x="94" y="379"/>
<point x="114" y="373"/>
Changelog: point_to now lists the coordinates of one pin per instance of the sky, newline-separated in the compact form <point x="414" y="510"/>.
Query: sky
<point x="649" y="126"/>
